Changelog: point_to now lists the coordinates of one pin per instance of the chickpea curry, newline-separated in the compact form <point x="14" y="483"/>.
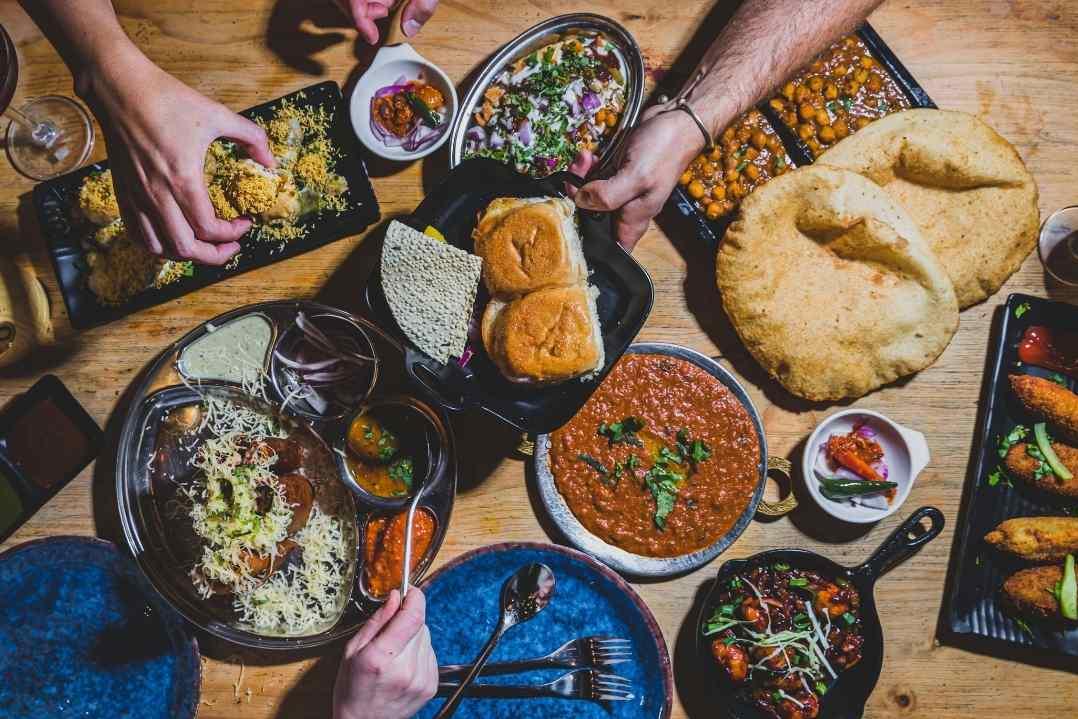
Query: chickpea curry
<point x="782" y="635"/>
<point x="747" y="154"/>
<point x="839" y="93"/>
<point x="661" y="461"/>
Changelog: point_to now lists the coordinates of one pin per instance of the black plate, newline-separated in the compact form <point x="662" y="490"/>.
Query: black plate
<point x="711" y="231"/>
<point x="64" y="231"/>
<point x="977" y="571"/>
<point x="625" y="298"/>
<point x="846" y="697"/>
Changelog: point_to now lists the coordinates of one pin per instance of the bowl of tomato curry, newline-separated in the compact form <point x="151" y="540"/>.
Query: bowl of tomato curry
<point x="662" y="468"/>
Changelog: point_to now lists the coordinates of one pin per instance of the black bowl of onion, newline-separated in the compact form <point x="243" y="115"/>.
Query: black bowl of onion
<point x="324" y="366"/>
<point x="390" y="449"/>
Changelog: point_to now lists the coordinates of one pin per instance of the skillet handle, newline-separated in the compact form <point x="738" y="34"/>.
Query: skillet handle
<point x="901" y="545"/>
<point x="427" y="380"/>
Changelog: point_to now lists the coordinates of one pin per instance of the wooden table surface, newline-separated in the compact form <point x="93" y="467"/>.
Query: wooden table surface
<point x="1012" y="62"/>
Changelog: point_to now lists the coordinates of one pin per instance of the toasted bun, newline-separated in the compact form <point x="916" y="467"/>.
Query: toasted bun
<point x="964" y="185"/>
<point x="528" y="244"/>
<point x="831" y="286"/>
<point x="550" y="335"/>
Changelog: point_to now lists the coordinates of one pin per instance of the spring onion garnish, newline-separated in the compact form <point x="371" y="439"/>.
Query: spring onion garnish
<point x="1044" y="444"/>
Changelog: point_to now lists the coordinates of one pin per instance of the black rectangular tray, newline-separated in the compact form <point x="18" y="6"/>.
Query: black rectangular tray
<point x="711" y="231"/>
<point x="55" y="200"/>
<point x="625" y="298"/>
<point x="977" y="571"/>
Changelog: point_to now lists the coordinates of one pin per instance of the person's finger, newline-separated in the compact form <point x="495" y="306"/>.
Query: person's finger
<point x="190" y="194"/>
<point x="405" y="624"/>
<point x="582" y="164"/>
<point x="632" y="222"/>
<point x="609" y="195"/>
<point x="364" y="13"/>
<point x="374" y="625"/>
<point x="171" y="222"/>
<point x="415" y="16"/>
<point x="249" y="136"/>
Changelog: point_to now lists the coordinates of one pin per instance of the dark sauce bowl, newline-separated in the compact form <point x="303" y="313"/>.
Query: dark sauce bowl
<point x="423" y="437"/>
<point x="847" y="694"/>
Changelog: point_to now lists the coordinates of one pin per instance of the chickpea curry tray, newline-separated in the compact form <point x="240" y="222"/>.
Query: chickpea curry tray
<point x="318" y="193"/>
<point x="854" y="82"/>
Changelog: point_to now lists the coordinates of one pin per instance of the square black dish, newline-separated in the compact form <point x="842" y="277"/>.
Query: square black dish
<point x="712" y="231"/>
<point x="625" y="299"/>
<point x="56" y="201"/>
<point x="978" y="571"/>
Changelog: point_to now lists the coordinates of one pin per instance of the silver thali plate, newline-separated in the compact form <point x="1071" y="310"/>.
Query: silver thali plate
<point x="636" y="565"/>
<point x="150" y="464"/>
<point x="546" y="32"/>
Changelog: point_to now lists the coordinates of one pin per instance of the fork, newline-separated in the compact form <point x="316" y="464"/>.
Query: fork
<point x="577" y="684"/>
<point x="586" y="652"/>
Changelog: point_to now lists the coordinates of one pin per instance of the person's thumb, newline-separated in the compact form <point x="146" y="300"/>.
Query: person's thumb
<point x="416" y="15"/>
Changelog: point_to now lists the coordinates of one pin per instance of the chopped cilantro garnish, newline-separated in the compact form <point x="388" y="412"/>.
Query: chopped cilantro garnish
<point x="593" y="463"/>
<point x="623" y="431"/>
<point x="402" y="471"/>
<point x="1021" y="310"/>
<point x="663" y="484"/>
<point x="1012" y="438"/>
<point x="780" y="567"/>
<point x="1022" y="625"/>
<point x="1058" y="379"/>
<point x="387" y="445"/>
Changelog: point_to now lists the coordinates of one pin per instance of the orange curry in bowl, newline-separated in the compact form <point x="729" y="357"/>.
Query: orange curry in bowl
<point x="661" y="461"/>
<point x="383" y="549"/>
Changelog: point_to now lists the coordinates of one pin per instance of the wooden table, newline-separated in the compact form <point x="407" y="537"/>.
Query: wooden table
<point x="1013" y="62"/>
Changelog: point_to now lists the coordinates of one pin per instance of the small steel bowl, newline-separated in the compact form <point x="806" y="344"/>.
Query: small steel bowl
<point x="418" y="426"/>
<point x="545" y="33"/>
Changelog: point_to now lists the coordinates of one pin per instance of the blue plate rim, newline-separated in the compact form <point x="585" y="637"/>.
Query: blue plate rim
<point x="606" y="572"/>
<point x="191" y="650"/>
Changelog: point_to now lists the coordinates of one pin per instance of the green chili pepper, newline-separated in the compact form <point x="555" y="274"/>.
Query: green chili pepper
<point x="429" y="116"/>
<point x="840" y="488"/>
<point x="1068" y="590"/>
<point x="1044" y="444"/>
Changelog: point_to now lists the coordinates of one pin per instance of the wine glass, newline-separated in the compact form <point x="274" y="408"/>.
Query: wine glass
<point x="48" y="136"/>
<point x="1058" y="245"/>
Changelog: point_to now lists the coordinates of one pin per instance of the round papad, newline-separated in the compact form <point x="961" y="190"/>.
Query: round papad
<point x="964" y="186"/>
<point x="831" y="286"/>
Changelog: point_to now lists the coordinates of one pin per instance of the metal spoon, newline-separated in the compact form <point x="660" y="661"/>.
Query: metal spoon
<point x="524" y="595"/>
<point x="428" y="479"/>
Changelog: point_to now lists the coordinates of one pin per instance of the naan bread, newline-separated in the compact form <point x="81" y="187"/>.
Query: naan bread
<point x="964" y="185"/>
<point x="831" y="287"/>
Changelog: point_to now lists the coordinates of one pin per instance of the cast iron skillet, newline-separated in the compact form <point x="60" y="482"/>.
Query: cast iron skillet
<point x="846" y="697"/>
<point x="625" y="298"/>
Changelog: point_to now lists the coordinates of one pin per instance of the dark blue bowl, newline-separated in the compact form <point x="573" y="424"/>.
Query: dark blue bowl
<point x="82" y="634"/>
<point x="589" y="599"/>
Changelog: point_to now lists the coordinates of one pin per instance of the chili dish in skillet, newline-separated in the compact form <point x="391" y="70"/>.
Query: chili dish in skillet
<point x="662" y="459"/>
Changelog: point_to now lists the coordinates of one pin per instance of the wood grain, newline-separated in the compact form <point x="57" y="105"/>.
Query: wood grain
<point x="1013" y="62"/>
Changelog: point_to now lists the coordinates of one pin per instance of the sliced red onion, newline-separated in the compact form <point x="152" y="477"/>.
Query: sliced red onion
<point x="466" y="357"/>
<point x="591" y="102"/>
<point x="865" y="431"/>
<point x="881" y="469"/>
<point x="524" y="133"/>
<point x="323" y="369"/>
<point x="496" y="140"/>
<point x="477" y="133"/>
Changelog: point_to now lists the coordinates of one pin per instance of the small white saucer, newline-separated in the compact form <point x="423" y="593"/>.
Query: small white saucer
<point x="905" y="452"/>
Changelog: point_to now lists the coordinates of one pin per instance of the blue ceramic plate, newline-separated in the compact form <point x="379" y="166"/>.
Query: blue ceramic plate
<point x="589" y="599"/>
<point x="82" y="634"/>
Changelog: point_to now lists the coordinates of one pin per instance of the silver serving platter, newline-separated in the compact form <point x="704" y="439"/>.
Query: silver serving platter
<point x="636" y="565"/>
<point x="545" y="33"/>
<point x="143" y="490"/>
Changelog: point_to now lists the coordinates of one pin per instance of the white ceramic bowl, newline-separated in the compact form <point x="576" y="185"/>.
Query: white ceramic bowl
<point x="905" y="451"/>
<point x="389" y="65"/>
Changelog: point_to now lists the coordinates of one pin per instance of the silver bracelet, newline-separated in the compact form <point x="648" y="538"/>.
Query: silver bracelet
<point x="683" y="105"/>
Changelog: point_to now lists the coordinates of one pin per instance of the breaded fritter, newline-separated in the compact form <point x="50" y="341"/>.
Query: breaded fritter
<point x="1030" y="592"/>
<point x="1023" y="467"/>
<point x="1036" y="539"/>
<point x="1053" y="403"/>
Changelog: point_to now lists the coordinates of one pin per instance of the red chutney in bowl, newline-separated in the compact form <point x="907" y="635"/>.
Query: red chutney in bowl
<point x="661" y="461"/>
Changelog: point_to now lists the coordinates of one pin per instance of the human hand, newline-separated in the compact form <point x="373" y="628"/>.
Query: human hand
<point x="365" y="13"/>
<point x="389" y="670"/>
<point x="158" y="130"/>
<point x="656" y="152"/>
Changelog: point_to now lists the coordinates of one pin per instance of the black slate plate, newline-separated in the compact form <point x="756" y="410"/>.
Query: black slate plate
<point x="56" y="199"/>
<point x="978" y="571"/>
<point x="711" y="231"/>
<point x="625" y="298"/>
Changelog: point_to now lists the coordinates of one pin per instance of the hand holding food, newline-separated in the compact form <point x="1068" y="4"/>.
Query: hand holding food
<point x="389" y="670"/>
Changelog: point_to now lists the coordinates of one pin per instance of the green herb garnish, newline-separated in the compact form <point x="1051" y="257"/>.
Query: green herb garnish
<point x="387" y="445"/>
<point x="1044" y="444"/>
<point x="781" y="567"/>
<point x="1012" y="438"/>
<point x="1021" y="310"/>
<point x="1058" y="379"/>
<point x="623" y="432"/>
<point x="402" y="471"/>
<point x="798" y="582"/>
<point x="849" y="618"/>
<point x="663" y="484"/>
<point x="593" y="463"/>
<point x="1021" y="623"/>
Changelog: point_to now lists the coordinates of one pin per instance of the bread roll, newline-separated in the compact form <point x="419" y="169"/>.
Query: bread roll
<point x="528" y="244"/>
<point x="550" y="335"/>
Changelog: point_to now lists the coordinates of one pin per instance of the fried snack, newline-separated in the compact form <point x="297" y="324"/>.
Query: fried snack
<point x="831" y="286"/>
<point x="97" y="199"/>
<point x="1024" y="467"/>
<point x="550" y="335"/>
<point x="964" y="185"/>
<point x="1053" y="403"/>
<point x="1030" y="592"/>
<point x="1036" y="539"/>
<point x="528" y="244"/>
